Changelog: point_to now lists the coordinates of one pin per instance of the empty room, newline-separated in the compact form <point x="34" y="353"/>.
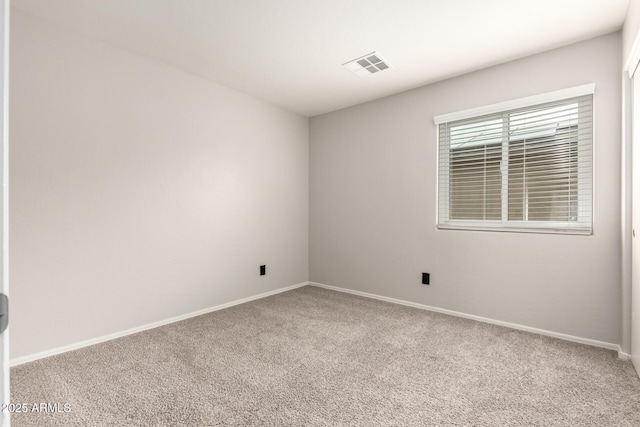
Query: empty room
<point x="310" y="213"/>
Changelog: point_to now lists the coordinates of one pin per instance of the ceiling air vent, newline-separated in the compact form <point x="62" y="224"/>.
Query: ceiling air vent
<point x="368" y="64"/>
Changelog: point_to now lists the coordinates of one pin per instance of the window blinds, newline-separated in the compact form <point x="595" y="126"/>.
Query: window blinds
<point x="523" y="169"/>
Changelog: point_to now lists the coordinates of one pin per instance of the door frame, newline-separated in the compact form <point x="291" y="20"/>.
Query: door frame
<point x="627" y="196"/>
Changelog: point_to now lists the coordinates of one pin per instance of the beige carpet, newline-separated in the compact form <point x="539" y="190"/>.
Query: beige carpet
<point x="313" y="357"/>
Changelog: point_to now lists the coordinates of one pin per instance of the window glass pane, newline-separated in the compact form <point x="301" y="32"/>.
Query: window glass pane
<point x="543" y="165"/>
<point x="475" y="182"/>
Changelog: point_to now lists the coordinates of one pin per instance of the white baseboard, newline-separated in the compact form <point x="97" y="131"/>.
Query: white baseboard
<point x="587" y="341"/>
<point x="622" y="355"/>
<point x="636" y="363"/>
<point x="92" y="341"/>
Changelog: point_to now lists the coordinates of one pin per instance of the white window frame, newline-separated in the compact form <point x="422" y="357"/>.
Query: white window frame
<point x="515" y="226"/>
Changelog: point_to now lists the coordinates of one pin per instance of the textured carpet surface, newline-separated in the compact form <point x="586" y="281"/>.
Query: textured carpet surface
<point x="314" y="357"/>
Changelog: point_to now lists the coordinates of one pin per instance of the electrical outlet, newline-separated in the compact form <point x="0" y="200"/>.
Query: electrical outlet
<point x="425" y="278"/>
<point x="263" y="270"/>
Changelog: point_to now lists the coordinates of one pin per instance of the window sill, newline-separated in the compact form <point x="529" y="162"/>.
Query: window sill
<point x="547" y="228"/>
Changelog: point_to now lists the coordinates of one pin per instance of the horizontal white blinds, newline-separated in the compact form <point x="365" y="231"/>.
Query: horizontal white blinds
<point x="524" y="168"/>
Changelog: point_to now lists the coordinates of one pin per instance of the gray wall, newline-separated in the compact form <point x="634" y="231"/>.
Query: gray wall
<point x="140" y="192"/>
<point x="373" y="204"/>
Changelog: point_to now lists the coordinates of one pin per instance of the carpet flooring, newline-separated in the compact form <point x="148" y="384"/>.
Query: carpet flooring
<point x="314" y="357"/>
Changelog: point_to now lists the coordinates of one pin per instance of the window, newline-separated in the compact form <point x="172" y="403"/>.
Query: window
<point x="526" y="168"/>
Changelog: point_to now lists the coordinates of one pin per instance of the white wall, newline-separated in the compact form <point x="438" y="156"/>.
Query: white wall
<point x="140" y="192"/>
<point x="630" y="27"/>
<point x="373" y="204"/>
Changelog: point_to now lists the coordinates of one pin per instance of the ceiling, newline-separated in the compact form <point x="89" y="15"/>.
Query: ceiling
<point x="290" y="52"/>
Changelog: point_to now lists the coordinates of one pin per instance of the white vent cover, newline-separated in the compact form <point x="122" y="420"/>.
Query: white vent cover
<point x="368" y="64"/>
